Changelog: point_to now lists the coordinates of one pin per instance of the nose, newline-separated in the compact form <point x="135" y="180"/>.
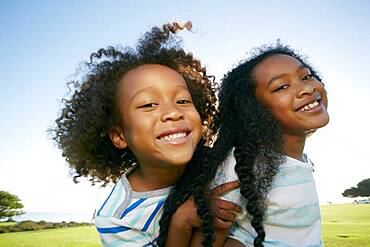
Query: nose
<point x="305" y="88"/>
<point x="171" y="113"/>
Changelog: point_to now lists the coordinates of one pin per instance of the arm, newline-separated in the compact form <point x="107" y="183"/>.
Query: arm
<point x="225" y="217"/>
<point x="182" y="223"/>
<point x="185" y="226"/>
<point x="221" y="235"/>
<point x="225" y="213"/>
<point x="233" y="243"/>
<point x="185" y="229"/>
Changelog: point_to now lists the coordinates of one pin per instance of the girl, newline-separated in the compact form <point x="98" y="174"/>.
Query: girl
<point x="288" y="87"/>
<point x="136" y="119"/>
<point x="269" y="104"/>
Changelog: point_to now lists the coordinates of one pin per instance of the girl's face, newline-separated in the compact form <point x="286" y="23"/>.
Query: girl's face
<point x="288" y="89"/>
<point x="160" y="124"/>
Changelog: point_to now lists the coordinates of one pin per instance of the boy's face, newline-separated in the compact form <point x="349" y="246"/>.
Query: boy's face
<point x="160" y="124"/>
<point x="296" y="98"/>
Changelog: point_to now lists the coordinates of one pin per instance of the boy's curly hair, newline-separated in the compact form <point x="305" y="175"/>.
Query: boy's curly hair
<point x="248" y="130"/>
<point x="81" y="131"/>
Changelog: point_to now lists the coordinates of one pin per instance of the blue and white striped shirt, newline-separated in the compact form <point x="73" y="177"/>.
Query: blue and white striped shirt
<point x="129" y="218"/>
<point x="293" y="213"/>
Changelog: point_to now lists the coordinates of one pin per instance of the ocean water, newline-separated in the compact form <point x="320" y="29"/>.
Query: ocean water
<point x="56" y="217"/>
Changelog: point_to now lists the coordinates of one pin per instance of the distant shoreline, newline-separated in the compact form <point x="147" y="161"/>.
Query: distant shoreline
<point x="55" y="217"/>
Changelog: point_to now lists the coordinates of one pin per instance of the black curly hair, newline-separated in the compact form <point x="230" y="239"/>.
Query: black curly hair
<point x="251" y="132"/>
<point x="266" y="140"/>
<point x="81" y="131"/>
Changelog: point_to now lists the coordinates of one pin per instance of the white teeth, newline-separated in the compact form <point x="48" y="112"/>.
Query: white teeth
<point x="312" y="105"/>
<point x="173" y="137"/>
<point x="309" y="106"/>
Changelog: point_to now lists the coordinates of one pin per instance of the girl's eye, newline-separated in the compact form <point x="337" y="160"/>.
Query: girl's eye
<point x="307" y="77"/>
<point x="281" y="88"/>
<point x="184" y="101"/>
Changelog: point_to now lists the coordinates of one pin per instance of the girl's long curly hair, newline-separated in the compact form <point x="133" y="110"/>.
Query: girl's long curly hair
<point x="81" y="131"/>
<point x="257" y="135"/>
<point x="250" y="131"/>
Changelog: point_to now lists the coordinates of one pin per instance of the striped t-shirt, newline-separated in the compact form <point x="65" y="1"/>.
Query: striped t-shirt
<point x="293" y="212"/>
<point x="129" y="218"/>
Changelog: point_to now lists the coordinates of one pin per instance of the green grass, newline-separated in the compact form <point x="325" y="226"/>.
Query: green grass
<point x="83" y="236"/>
<point x="346" y="225"/>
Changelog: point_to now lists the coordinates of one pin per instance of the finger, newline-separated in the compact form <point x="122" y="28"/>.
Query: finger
<point x="220" y="224"/>
<point x="223" y="188"/>
<point x="225" y="215"/>
<point x="196" y="222"/>
<point x="226" y="205"/>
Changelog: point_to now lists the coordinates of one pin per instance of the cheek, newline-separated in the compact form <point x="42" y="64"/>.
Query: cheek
<point x="281" y="112"/>
<point x="325" y="98"/>
<point x="196" y="122"/>
<point x="135" y="130"/>
<point x="142" y="127"/>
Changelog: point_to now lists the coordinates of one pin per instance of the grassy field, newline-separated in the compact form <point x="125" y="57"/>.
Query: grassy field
<point x="346" y="225"/>
<point x="84" y="236"/>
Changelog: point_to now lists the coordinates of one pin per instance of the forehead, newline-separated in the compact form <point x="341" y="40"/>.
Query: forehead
<point x="275" y="65"/>
<point x="150" y="77"/>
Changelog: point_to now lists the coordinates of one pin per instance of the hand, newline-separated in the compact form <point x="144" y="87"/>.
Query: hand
<point x="186" y="216"/>
<point x="181" y="226"/>
<point x="225" y="211"/>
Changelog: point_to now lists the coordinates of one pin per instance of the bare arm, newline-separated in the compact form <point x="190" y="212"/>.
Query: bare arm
<point x="225" y="214"/>
<point x="233" y="243"/>
<point x="221" y="235"/>
<point x="181" y="225"/>
<point x="185" y="228"/>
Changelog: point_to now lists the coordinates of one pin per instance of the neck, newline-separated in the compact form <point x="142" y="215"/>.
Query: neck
<point x="294" y="145"/>
<point x="153" y="178"/>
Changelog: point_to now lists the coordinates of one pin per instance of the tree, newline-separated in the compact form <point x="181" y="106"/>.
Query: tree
<point x="362" y="189"/>
<point x="10" y="205"/>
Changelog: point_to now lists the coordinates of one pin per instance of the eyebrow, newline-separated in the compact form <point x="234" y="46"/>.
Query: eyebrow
<point x="139" y="92"/>
<point x="284" y="74"/>
<point x="154" y="89"/>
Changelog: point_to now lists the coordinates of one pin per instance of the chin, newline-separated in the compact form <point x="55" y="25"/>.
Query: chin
<point x="324" y="121"/>
<point x="318" y="122"/>
<point x="179" y="160"/>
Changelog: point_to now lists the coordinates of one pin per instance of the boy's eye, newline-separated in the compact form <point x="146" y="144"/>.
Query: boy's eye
<point x="280" y="88"/>
<point x="184" y="101"/>
<point x="148" y="105"/>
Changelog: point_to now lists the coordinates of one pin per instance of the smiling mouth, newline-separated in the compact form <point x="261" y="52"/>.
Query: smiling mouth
<point x="309" y="106"/>
<point x="174" y="137"/>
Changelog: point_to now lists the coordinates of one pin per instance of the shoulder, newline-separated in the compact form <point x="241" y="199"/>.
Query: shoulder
<point x="226" y="171"/>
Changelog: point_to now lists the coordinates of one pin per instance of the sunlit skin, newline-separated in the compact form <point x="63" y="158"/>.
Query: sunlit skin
<point x="159" y="124"/>
<point x="295" y="97"/>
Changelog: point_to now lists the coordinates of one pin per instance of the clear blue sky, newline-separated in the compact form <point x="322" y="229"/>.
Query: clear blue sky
<point x="42" y="43"/>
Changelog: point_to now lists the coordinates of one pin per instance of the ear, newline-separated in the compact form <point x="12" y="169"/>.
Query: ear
<point x="117" y="138"/>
